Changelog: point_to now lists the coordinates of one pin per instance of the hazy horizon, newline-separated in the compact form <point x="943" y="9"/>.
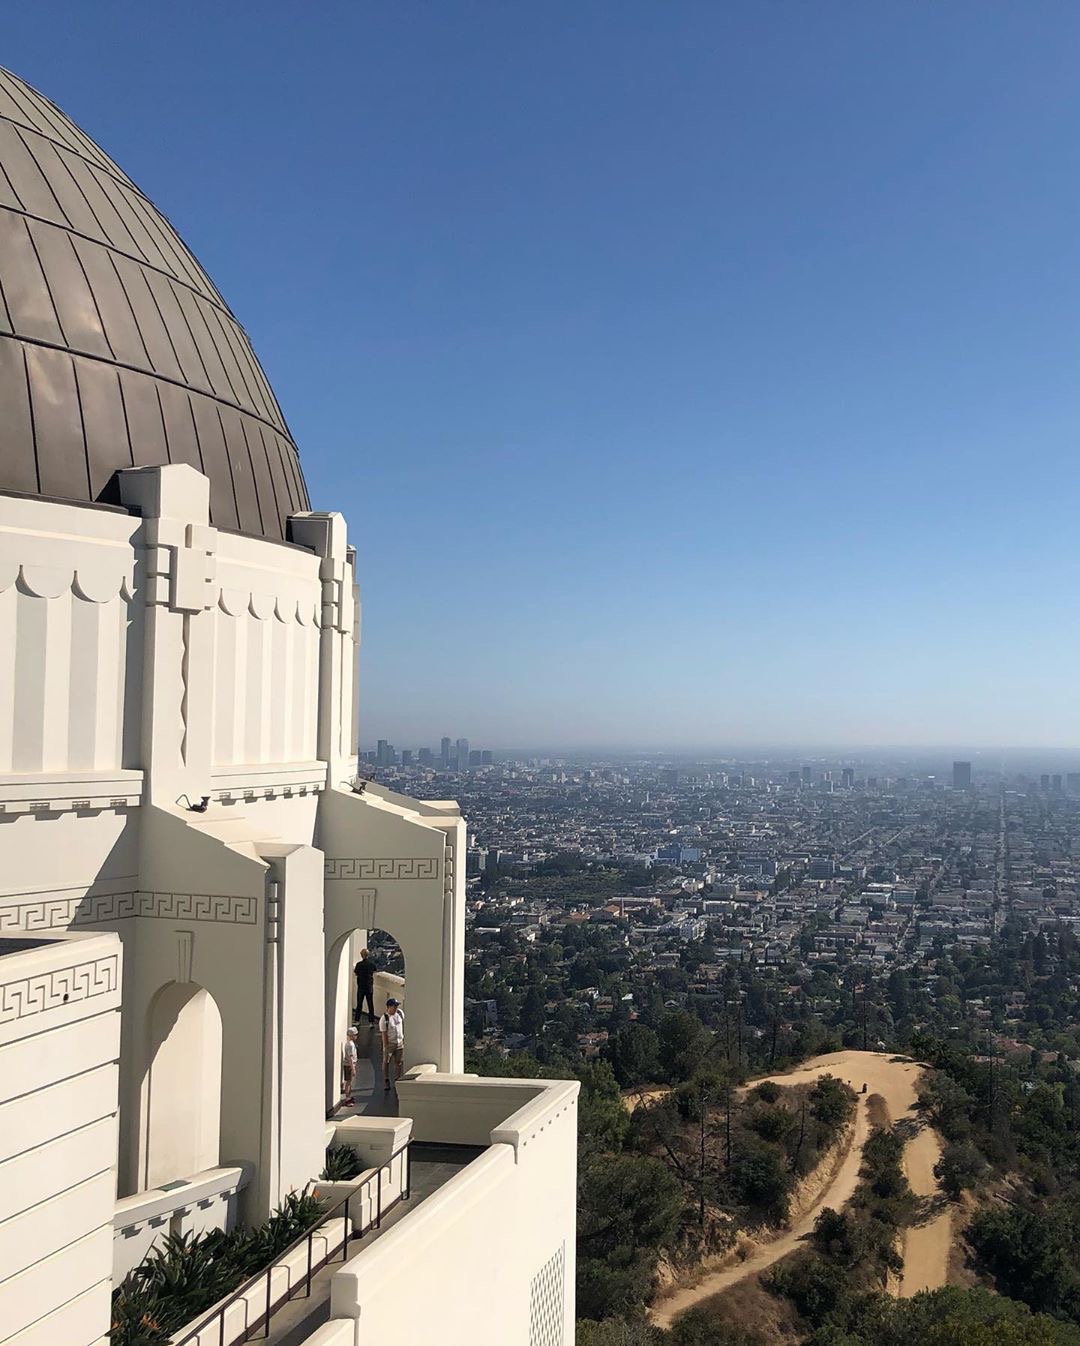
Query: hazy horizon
<point x="981" y="757"/>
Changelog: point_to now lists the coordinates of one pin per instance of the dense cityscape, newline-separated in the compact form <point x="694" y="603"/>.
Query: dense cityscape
<point x="758" y="863"/>
<point x="671" y="930"/>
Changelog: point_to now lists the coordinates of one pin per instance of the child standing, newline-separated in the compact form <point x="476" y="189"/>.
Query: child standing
<point x="348" y="1066"/>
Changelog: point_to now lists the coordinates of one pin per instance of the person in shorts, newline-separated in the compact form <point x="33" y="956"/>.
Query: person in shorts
<point x="348" y="1066"/>
<point x="392" y="1028"/>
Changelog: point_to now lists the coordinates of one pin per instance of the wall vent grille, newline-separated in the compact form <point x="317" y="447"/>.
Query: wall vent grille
<point x="546" y="1301"/>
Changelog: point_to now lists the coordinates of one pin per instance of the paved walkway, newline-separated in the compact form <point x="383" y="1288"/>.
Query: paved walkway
<point x="432" y="1166"/>
<point x="369" y="1099"/>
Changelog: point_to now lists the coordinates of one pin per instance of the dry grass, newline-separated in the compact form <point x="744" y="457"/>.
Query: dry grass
<point x="750" y="1306"/>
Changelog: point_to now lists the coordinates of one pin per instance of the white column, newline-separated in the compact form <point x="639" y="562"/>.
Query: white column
<point x="175" y="570"/>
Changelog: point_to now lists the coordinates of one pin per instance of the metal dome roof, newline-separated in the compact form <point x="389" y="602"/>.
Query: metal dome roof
<point x="116" y="349"/>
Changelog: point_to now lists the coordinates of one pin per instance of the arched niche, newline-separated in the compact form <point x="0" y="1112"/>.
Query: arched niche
<point x="183" y="1084"/>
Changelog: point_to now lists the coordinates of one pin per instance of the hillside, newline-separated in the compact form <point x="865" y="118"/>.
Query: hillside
<point x="891" y="1082"/>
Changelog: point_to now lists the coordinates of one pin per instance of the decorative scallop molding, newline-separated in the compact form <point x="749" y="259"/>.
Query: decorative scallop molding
<point x="304" y="611"/>
<point x="45" y="581"/>
<point x="93" y="583"/>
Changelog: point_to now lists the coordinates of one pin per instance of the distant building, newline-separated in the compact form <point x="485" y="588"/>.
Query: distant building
<point x="444" y="752"/>
<point x="426" y="757"/>
<point x="1072" y="782"/>
<point x="821" y="867"/>
<point x="486" y="758"/>
<point x="1055" y="784"/>
<point x="1044" y="781"/>
<point x="463" y="754"/>
<point x="406" y="757"/>
<point x="961" y="775"/>
<point x="807" y="775"/>
<point x="474" y="757"/>
<point x="847" y="777"/>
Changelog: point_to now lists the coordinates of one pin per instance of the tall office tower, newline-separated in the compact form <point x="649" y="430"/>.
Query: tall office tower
<point x="426" y="757"/>
<point x="826" y="776"/>
<point x="406" y="757"/>
<point x="474" y="757"/>
<point x="444" y="752"/>
<point x="807" y="775"/>
<point x="1044" y="781"/>
<point x="1072" y="782"/>
<point x="1055" y="783"/>
<point x="463" y="754"/>
<point x="847" y="777"/>
<point x="486" y="757"/>
<point x="382" y="753"/>
<point x="961" y="775"/>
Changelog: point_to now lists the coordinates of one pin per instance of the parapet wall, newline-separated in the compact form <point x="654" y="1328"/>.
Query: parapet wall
<point x="488" y="1259"/>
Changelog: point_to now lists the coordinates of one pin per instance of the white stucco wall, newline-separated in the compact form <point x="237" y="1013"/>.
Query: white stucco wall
<point x="153" y="662"/>
<point x="505" y="1222"/>
<point x="59" y="1044"/>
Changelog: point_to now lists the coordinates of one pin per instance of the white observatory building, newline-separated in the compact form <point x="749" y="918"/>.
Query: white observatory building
<point x="186" y="868"/>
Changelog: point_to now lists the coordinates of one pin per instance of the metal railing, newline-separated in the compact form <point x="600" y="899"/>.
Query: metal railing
<point x="342" y="1209"/>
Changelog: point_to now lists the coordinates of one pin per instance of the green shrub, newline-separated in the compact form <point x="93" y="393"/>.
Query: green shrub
<point x="818" y="1288"/>
<point x="342" y="1164"/>
<point x="186" y="1273"/>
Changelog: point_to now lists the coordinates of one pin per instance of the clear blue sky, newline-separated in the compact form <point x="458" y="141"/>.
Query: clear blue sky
<point x="689" y="373"/>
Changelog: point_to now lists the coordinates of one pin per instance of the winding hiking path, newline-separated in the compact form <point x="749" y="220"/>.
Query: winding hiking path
<point x="926" y="1246"/>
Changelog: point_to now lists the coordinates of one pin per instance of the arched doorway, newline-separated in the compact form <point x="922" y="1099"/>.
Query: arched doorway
<point x="341" y="1013"/>
<point x="183" y="1084"/>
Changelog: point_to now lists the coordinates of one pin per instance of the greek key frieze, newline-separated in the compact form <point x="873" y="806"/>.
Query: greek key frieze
<point x="54" y="912"/>
<point x="63" y="986"/>
<point x="425" y="867"/>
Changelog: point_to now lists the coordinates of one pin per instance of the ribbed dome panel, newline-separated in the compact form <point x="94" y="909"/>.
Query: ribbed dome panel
<point x="116" y="349"/>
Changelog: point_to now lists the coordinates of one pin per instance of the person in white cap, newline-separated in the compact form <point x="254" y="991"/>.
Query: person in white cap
<point x="392" y="1028"/>
<point x="348" y="1066"/>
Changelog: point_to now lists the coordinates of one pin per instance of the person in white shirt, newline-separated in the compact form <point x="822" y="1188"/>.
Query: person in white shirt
<point x="392" y="1028"/>
<point x="348" y="1066"/>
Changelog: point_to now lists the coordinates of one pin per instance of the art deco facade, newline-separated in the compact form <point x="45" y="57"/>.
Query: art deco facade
<point x="178" y="627"/>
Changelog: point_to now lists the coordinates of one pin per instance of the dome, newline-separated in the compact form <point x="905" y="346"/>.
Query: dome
<point x="116" y="349"/>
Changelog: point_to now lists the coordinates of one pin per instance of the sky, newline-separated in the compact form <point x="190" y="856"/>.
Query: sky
<point x="691" y="374"/>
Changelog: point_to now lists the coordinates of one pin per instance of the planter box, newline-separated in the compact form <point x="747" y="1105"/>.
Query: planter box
<point x="374" y="1139"/>
<point x="286" y="1278"/>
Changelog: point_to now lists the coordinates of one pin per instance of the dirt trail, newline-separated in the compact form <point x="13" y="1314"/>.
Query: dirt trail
<point x="926" y="1248"/>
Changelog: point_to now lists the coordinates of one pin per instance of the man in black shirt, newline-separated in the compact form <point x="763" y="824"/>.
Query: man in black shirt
<point x="365" y="987"/>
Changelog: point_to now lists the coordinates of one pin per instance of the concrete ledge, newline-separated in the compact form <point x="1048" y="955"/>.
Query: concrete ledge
<point x="373" y="1138"/>
<point x="149" y="1205"/>
<point x="456" y="1110"/>
<point x="332" y="1334"/>
<point x="466" y="1109"/>
<point x="424" y="1068"/>
<point x="523" y="1126"/>
<point x="208" y="1200"/>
